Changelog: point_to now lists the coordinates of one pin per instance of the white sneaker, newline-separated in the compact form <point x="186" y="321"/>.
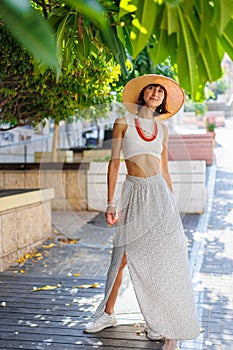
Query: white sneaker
<point x="103" y="321"/>
<point x="152" y="335"/>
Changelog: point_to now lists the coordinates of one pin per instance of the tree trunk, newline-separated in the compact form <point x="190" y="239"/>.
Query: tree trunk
<point x="54" y="157"/>
<point x="67" y="133"/>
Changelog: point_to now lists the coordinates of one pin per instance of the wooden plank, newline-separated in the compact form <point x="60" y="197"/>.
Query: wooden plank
<point x="13" y="345"/>
<point x="62" y="323"/>
<point x="34" y="329"/>
<point x="67" y="293"/>
<point x="66" y="347"/>
<point x="40" y="310"/>
<point x="41" y="320"/>
<point x="30" y="280"/>
<point x="66" y="290"/>
<point x="53" y="305"/>
<point x="94" y="340"/>
<point x="35" y="315"/>
<point x="19" y="281"/>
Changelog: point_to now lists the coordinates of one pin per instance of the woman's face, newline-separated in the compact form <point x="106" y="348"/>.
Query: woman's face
<point x="153" y="96"/>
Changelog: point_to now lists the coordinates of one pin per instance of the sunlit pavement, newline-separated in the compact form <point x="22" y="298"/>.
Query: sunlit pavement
<point x="211" y="256"/>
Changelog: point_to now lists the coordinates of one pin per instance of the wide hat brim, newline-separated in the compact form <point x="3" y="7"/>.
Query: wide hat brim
<point x="175" y="94"/>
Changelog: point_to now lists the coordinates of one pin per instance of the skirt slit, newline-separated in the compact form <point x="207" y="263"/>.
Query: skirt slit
<point x="113" y="271"/>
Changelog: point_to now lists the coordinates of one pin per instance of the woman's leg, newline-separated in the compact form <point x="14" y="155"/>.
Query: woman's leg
<point x="115" y="289"/>
<point x="170" y="344"/>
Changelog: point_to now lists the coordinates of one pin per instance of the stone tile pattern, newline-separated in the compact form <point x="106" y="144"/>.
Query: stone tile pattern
<point x="214" y="282"/>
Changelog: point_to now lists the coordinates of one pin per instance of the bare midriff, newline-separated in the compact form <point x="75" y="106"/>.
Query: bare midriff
<point x="143" y="165"/>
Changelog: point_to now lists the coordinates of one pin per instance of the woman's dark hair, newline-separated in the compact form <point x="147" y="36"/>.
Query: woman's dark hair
<point x="162" y="109"/>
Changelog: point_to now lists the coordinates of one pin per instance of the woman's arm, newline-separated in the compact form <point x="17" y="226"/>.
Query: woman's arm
<point x="113" y="167"/>
<point x="164" y="159"/>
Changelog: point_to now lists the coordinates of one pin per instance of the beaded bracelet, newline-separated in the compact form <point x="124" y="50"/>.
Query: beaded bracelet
<point x="110" y="204"/>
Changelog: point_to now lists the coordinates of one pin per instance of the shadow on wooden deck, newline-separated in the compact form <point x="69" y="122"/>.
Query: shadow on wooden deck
<point x="54" y="319"/>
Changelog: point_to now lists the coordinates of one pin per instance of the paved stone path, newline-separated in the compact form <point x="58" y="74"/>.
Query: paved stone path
<point x="213" y="246"/>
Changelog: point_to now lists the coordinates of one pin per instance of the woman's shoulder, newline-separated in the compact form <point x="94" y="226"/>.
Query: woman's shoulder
<point x="121" y="121"/>
<point x="120" y="124"/>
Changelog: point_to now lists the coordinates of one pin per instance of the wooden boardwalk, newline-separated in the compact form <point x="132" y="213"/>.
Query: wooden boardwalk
<point x="54" y="319"/>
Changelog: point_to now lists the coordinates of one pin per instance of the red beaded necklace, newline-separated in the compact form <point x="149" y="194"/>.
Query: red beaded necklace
<point x="141" y="131"/>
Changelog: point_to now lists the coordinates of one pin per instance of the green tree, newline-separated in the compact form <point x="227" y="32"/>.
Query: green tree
<point x="32" y="30"/>
<point x="28" y="97"/>
<point x="193" y="33"/>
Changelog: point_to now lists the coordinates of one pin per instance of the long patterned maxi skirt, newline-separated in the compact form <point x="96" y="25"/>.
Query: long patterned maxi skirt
<point x="151" y="234"/>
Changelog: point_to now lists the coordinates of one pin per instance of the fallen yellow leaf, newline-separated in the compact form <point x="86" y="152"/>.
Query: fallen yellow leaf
<point x="49" y="246"/>
<point x="38" y="255"/>
<point x="68" y="240"/>
<point x="47" y="287"/>
<point x="139" y="333"/>
<point x="22" y="271"/>
<point x="21" y="260"/>
<point x="77" y="274"/>
<point x="28" y="256"/>
<point x="85" y="286"/>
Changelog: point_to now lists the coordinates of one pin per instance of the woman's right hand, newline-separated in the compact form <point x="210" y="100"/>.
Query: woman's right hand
<point x="110" y="215"/>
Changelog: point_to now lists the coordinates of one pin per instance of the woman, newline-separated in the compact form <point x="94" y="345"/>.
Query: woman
<point x="149" y="235"/>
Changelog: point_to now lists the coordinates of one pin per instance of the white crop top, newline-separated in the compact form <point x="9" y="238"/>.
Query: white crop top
<point x="134" y="145"/>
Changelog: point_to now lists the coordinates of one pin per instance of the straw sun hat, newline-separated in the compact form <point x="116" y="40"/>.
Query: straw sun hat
<point x="175" y="95"/>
